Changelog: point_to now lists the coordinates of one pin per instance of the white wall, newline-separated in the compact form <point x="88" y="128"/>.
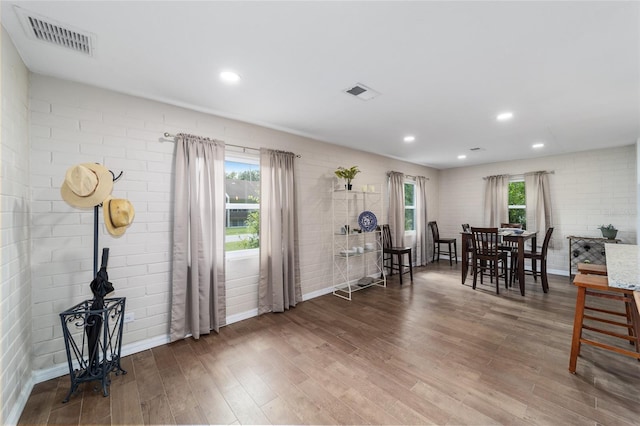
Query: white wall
<point x="15" y="278"/>
<point x="73" y="123"/>
<point x="637" y="188"/>
<point x="588" y="189"/>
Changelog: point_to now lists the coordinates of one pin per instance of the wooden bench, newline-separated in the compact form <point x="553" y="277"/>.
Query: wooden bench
<point x="598" y="286"/>
<point x="591" y="268"/>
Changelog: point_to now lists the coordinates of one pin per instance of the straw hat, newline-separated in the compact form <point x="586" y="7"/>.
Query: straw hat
<point x="86" y="185"/>
<point x="118" y="214"/>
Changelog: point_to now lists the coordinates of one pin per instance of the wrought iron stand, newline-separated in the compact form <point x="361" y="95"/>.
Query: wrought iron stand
<point x="88" y="362"/>
<point x="92" y="330"/>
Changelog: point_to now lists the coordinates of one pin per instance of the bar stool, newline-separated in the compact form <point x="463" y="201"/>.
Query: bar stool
<point x="592" y="269"/>
<point x="598" y="286"/>
<point x="437" y="251"/>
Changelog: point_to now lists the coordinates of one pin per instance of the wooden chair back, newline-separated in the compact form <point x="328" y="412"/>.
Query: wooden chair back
<point x="387" y="243"/>
<point x="434" y="230"/>
<point x="485" y="242"/>
<point x="545" y="243"/>
<point x="467" y="230"/>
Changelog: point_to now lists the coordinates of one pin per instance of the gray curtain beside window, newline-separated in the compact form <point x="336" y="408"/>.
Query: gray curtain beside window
<point x="198" y="301"/>
<point x="496" y="200"/>
<point x="422" y="233"/>
<point x="538" y="199"/>
<point x="279" y="283"/>
<point x="396" y="208"/>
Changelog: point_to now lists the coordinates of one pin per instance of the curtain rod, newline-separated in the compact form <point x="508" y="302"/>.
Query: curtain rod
<point x="169" y="135"/>
<point x="409" y="176"/>
<point x="549" y="172"/>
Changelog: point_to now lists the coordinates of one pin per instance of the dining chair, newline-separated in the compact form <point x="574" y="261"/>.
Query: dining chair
<point x="487" y="256"/>
<point x="388" y="251"/>
<point x="468" y="249"/>
<point x="437" y="241"/>
<point x="510" y="247"/>
<point x="536" y="256"/>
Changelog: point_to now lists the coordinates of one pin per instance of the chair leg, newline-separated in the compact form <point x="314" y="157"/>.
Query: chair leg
<point x="512" y="268"/>
<point x="450" y="260"/>
<point x="507" y="274"/>
<point x="496" y="273"/>
<point x="391" y="268"/>
<point x="410" y="266"/>
<point x="534" y="269"/>
<point x="635" y="323"/>
<point x="545" y="280"/>
<point x="475" y="273"/>
<point x="577" y="329"/>
<point x="400" y="267"/>
<point x="455" y="251"/>
<point x="434" y="252"/>
<point x="627" y="307"/>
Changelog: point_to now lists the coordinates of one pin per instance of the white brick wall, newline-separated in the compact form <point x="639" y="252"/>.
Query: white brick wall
<point x="73" y="123"/>
<point x="15" y="277"/>
<point x="588" y="189"/>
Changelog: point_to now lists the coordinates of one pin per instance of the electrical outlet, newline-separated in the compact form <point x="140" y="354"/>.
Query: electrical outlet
<point x="129" y="317"/>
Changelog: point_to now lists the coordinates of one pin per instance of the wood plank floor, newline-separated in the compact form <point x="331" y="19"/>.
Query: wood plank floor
<point x="435" y="352"/>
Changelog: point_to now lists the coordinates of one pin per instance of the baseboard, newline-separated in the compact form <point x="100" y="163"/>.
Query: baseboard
<point x="18" y="407"/>
<point x="59" y="370"/>
<point x="558" y="272"/>
<point x="242" y="316"/>
<point x="317" y="293"/>
<point x="130" y="349"/>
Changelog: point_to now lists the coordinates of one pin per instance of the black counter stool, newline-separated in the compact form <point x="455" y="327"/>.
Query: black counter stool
<point x="437" y="241"/>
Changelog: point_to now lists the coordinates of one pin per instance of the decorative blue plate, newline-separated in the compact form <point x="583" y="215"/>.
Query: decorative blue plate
<point x="367" y="221"/>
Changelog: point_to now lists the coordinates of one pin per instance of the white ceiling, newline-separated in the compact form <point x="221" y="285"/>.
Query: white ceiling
<point x="569" y="71"/>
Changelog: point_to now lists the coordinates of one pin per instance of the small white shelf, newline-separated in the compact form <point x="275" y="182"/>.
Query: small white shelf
<point x="350" y="267"/>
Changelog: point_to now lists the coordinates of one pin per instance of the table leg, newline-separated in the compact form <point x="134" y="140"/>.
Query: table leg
<point x="521" y="264"/>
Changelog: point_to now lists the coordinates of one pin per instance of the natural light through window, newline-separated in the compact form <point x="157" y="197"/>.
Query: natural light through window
<point x="517" y="203"/>
<point x="242" y="192"/>
<point x="409" y="206"/>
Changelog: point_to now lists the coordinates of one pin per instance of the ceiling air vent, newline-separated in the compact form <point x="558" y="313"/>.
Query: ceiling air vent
<point x="361" y="91"/>
<point x="50" y="31"/>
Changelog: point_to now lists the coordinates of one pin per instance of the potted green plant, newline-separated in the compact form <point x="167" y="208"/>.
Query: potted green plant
<point x="609" y="231"/>
<point x="347" y="174"/>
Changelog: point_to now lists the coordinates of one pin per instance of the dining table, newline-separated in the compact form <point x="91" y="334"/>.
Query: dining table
<point x="507" y="235"/>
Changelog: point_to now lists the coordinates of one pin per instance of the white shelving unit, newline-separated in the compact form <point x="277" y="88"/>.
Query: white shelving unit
<point x="353" y="271"/>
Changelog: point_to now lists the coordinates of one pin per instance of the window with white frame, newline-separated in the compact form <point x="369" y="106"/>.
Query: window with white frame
<point x="517" y="202"/>
<point x="409" y="206"/>
<point x="242" y="192"/>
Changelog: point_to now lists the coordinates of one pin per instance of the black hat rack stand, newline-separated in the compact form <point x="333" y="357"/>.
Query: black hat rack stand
<point x="92" y="329"/>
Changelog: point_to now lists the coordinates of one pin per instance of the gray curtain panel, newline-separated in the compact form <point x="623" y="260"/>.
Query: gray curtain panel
<point x="496" y="201"/>
<point x="538" y="198"/>
<point x="396" y="208"/>
<point x="198" y="302"/>
<point x="423" y="247"/>
<point x="279" y="284"/>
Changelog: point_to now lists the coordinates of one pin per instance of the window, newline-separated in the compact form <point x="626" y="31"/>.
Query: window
<point x="409" y="206"/>
<point x="517" y="203"/>
<point x="242" y="191"/>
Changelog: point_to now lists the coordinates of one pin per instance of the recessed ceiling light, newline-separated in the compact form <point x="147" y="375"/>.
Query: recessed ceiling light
<point x="537" y="145"/>
<point x="229" y="77"/>
<point x="462" y="157"/>
<point x="504" y="116"/>
<point x="409" y="138"/>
